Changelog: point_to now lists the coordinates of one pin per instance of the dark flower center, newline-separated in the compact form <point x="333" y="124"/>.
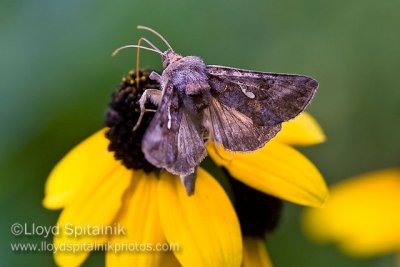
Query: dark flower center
<point x="258" y="213"/>
<point x="122" y="115"/>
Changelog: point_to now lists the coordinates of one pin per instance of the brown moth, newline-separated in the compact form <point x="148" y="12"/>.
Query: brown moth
<point x="240" y="110"/>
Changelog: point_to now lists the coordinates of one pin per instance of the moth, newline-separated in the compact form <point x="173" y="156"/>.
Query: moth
<point x="241" y="110"/>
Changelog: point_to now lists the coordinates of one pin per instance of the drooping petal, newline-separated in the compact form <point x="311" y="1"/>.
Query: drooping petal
<point x="255" y="253"/>
<point x="303" y="130"/>
<point x="142" y="244"/>
<point x="95" y="206"/>
<point x="204" y="224"/>
<point x="277" y="170"/>
<point x="362" y="215"/>
<point x="86" y="163"/>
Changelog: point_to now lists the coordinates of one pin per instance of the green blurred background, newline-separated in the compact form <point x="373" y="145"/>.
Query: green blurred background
<point x="56" y="77"/>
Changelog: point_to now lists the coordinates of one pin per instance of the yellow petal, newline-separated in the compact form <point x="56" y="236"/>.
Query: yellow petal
<point x="204" y="225"/>
<point x="141" y="246"/>
<point x="303" y="130"/>
<point x="94" y="206"/>
<point x="87" y="162"/>
<point x="255" y="253"/>
<point x="362" y="214"/>
<point x="277" y="170"/>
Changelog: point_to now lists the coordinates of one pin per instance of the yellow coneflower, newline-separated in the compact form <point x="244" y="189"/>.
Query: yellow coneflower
<point x="362" y="215"/>
<point x="106" y="181"/>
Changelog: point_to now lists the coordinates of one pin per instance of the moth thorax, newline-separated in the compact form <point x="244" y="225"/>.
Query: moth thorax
<point x="196" y="84"/>
<point x="190" y="78"/>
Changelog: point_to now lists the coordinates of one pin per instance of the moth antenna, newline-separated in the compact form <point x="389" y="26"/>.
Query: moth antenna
<point x="134" y="46"/>
<point x="138" y="56"/>
<point x="156" y="33"/>
<point x="149" y="43"/>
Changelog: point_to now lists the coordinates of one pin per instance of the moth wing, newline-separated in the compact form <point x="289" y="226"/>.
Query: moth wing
<point x="172" y="140"/>
<point x="267" y="98"/>
<point x="235" y="130"/>
<point x="191" y="149"/>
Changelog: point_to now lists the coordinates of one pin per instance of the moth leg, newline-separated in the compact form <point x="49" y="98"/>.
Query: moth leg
<point x="189" y="181"/>
<point x="154" y="95"/>
<point x="155" y="76"/>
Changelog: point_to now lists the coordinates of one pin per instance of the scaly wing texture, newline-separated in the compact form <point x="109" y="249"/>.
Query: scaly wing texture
<point x="172" y="140"/>
<point x="236" y="131"/>
<point x="267" y="98"/>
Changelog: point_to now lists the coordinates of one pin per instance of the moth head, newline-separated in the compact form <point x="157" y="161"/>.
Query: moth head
<point x="169" y="57"/>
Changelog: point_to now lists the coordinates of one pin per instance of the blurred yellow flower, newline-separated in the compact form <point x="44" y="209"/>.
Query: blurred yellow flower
<point x="362" y="215"/>
<point x="95" y="189"/>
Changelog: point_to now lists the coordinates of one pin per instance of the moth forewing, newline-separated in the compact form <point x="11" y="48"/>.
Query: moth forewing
<point x="174" y="140"/>
<point x="267" y="98"/>
<point x="239" y="109"/>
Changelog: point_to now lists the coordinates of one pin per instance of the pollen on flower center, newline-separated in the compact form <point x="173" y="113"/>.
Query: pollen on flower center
<point x="122" y="115"/>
